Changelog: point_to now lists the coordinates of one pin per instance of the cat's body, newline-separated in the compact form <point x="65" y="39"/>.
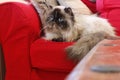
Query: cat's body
<point x="87" y="30"/>
<point x="83" y="25"/>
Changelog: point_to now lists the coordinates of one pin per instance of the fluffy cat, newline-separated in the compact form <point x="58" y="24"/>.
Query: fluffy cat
<point x="62" y="24"/>
<point x="87" y="30"/>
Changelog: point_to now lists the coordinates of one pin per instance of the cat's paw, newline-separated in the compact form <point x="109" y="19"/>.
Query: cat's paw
<point x="77" y="52"/>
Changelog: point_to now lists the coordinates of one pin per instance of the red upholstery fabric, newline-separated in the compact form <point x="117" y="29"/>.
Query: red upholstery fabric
<point x="51" y="58"/>
<point x="27" y="56"/>
<point x="19" y="27"/>
<point x="110" y="9"/>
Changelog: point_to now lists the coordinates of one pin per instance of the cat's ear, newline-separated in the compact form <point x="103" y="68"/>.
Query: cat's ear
<point x="69" y="11"/>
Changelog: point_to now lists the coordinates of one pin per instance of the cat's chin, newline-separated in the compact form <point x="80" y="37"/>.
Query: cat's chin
<point x="58" y="40"/>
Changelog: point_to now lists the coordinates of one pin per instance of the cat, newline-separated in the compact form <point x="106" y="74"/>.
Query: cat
<point x="86" y="30"/>
<point x="62" y="24"/>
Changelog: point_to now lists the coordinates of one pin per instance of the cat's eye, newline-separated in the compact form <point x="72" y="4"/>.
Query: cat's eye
<point x="60" y="19"/>
<point x="50" y="18"/>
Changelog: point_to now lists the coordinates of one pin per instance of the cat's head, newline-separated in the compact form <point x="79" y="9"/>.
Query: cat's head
<point x="60" y="18"/>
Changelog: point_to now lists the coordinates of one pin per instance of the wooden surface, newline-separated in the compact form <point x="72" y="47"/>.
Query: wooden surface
<point x="0" y="68"/>
<point x="105" y="53"/>
<point x="2" y="65"/>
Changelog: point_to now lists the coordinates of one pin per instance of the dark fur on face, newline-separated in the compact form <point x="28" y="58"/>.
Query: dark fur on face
<point x="58" y="17"/>
<point x="69" y="11"/>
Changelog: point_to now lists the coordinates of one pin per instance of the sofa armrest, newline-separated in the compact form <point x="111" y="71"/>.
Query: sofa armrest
<point x="105" y="54"/>
<point x="19" y="28"/>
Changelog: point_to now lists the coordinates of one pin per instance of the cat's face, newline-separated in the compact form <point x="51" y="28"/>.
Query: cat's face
<point x="60" y="19"/>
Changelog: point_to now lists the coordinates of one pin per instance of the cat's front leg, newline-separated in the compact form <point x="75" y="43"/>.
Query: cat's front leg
<point x="84" y="45"/>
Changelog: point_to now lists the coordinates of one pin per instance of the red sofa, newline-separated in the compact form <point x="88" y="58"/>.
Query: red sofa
<point x="109" y="9"/>
<point x="27" y="55"/>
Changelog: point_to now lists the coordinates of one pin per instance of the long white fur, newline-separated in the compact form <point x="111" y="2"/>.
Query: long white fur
<point x="89" y="24"/>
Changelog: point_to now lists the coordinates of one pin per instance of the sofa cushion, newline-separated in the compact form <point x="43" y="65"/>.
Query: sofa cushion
<point x="110" y="9"/>
<point x="50" y="56"/>
<point x="105" y="4"/>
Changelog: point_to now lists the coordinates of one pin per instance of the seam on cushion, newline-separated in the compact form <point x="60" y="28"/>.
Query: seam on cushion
<point x="103" y="4"/>
<point x="53" y="69"/>
<point x="45" y="43"/>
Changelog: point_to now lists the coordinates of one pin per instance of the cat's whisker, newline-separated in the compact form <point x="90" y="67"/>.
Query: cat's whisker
<point x="43" y="28"/>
